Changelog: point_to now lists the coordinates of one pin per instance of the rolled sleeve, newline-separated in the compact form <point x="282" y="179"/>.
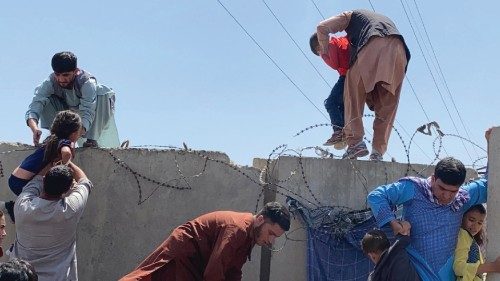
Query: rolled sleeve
<point x="40" y="99"/>
<point x="383" y="198"/>
<point x="478" y="192"/>
<point x="88" y="103"/>
<point x="332" y="25"/>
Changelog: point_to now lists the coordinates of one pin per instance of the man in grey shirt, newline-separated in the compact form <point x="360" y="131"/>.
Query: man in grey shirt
<point x="47" y="214"/>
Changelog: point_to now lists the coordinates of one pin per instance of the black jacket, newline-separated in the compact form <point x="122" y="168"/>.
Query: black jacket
<point x="394" y="264"/>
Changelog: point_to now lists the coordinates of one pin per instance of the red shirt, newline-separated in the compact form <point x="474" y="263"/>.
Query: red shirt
<point x="338" y="54"/>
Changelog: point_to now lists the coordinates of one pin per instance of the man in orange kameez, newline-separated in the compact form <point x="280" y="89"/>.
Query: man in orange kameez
<point x="214" y="246"/>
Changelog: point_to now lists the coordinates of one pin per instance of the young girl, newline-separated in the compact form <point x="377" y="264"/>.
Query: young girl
<point x="59" y="146"/>
<point x="469" y="264"/>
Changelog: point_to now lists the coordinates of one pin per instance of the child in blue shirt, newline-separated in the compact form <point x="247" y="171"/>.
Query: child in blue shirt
<point x="58" y="147"/>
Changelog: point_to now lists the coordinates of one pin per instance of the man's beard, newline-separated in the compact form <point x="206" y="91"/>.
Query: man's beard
<point x="256" y="233"/>
<point x="68" y="86"/>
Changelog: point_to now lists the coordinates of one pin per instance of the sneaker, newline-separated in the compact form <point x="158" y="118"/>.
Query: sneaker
<point x="340" y="145"/>
<point x="90" y="143"/>
<point x="376" y="156"/>
<point x="358" y="150"/>
<point x="9" y="205"/>
<point x="337" y="140"/>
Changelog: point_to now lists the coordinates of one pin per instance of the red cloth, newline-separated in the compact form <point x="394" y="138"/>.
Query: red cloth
<point x="338" y="54"/>
<point x="212" y="247"/>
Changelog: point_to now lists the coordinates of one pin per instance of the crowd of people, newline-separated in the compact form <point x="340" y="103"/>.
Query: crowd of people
<point x="438" y="237"/>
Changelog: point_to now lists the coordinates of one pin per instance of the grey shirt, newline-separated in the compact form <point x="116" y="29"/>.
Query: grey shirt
<point x="46" y="230"/>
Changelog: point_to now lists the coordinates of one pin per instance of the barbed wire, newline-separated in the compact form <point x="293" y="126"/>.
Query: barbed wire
<point x="290" y="186"/>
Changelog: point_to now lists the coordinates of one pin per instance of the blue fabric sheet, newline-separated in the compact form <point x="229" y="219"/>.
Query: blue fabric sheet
<point x="334" y="242"/>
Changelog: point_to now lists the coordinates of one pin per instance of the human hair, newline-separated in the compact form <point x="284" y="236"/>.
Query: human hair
<point x="65" y="123"/>
<point x="480" y="237"/>
<point x="375" y="241"/>
<point x="64" y="62"/>
<point x="276" y="213"/>
<point x="58" y="180"/>
<point x="17" y="270"/>
<point x="314" y="43"/>
<point x="450" y="171"/>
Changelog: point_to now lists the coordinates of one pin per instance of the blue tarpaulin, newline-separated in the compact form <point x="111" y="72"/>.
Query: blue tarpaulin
<point x="334" y="242"/>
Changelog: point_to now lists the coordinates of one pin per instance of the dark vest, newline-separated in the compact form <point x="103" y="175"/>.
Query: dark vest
<point x="82" y="77"/>
<point x="365" y="24"/>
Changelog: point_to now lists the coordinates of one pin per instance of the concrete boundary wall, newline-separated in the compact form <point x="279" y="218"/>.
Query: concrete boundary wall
<point x="116" y="233"/>
<point x="493" y="233"/>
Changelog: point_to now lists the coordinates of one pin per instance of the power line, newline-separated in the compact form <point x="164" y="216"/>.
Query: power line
<point x="295" y="42"/>
<point x="418" y="100"/>
<point x="317" y="9"/>
<point x="442" y="75"/>
<point x="373" y="8"/>
<point x="408" y="134"/>
<point x="271" y="59"/>
<point x="425" y="113"/>
<point x="433" y="78"/>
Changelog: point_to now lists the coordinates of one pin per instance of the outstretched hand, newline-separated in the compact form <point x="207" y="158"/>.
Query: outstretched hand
<point x="37" y="133"/>
<point x="36" y="137"/>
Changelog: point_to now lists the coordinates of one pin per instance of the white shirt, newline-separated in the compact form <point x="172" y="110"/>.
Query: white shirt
<point x="46" y="230"/>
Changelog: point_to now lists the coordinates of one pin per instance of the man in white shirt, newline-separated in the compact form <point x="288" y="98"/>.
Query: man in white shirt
<point x="47" y="214"/>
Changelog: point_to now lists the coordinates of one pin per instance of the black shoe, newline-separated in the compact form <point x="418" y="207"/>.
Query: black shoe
<point x="90" y="143"/>
<point x="9" y="205"/>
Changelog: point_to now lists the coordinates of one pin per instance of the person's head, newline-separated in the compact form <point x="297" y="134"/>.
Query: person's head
<point x="17" y="270"/>
<point x="3" y="233"/>
<point x="449" y="175"/>
<point x="57" y="181"/>
<point x="314" y="43"/>
<point x="66" y="125"/>
<point x="473" y="222"/>
<point x="374" y="243"/>
<point x="65" y="68"/>
<point x="270" y="222"/>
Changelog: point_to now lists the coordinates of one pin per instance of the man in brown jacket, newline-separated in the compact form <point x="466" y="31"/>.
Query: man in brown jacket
<point x="214" y="246"/>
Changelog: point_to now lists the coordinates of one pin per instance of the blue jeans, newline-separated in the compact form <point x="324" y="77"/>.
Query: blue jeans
<point x="334" y="104"/>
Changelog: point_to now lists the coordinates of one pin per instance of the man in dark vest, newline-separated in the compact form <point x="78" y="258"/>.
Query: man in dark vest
<point x="378" y="61"/>
<point x="69" y="87"/>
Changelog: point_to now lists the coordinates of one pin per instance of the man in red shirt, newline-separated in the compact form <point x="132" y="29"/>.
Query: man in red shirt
<point x="338" y="59"/>
<point x="214" y="246"/>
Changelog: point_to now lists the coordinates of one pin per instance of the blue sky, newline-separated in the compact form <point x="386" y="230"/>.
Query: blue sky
<point x="184" y="71"/>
